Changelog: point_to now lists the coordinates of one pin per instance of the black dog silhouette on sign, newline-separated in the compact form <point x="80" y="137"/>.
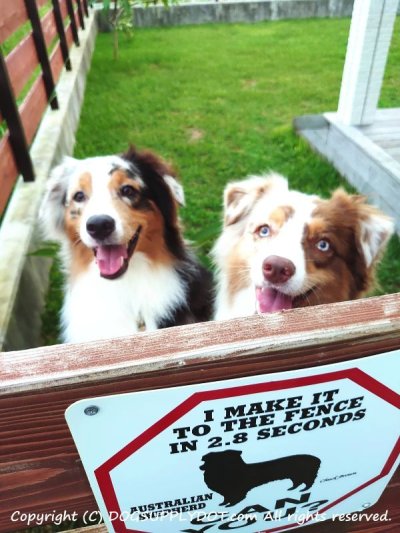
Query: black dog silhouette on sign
<point x="226" y="473"/>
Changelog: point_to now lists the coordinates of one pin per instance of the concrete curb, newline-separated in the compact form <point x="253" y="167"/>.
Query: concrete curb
<point x="24" y="278"/>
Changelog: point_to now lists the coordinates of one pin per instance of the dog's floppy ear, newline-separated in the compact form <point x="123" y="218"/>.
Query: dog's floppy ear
<point x="372" y="229"/>
<point x="240" y="196"/>
<point x="148" y="160"/>
<point x="176" y="189"/>
<point x="52" y="209"/>
<point x="375" y="230"/>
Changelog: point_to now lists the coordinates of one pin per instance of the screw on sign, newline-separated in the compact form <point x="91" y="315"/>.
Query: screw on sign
<point x="91" y="410"/>
<point x="267" y="453"/>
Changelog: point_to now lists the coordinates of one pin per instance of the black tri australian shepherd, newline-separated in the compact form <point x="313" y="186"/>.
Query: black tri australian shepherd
<point x="126" y="263"/>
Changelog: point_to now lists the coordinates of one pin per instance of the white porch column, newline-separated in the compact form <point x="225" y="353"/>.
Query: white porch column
<point x="367" y="50"/>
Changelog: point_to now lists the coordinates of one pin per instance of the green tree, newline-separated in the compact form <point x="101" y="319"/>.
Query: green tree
<point x="119" y="14"/>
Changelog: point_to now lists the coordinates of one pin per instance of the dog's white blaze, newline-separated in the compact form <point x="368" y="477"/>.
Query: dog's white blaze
<point x="286" y="243"/>
<point x="127" y="302"/>
<point x="100" y="201"/>
<point x="243" y="303"/>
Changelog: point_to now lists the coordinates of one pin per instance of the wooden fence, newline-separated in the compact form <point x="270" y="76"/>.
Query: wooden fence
<point x="52" y="29"/>
<point x="40" y="470"/>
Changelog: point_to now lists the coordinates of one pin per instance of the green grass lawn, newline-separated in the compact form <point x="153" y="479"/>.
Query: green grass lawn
<point x="218" y="101"/>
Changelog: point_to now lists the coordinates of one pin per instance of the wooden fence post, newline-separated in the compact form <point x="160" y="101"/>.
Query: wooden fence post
<point x="9" y="110"/>
<point x="74" y="28"/>
<point x="61" y="34"/>
<point x="80" y="14"/>
<point x="37" y="32"/>
<point x="85" y="7"/>
<point x="369" y="40"/>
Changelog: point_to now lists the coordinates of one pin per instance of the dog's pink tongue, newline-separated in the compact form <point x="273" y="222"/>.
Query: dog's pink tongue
<point x="110" y="258"/>
<point x="270" y="300"/>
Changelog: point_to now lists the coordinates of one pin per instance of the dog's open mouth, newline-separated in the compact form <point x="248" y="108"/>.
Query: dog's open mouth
<point x="113" y="259"/>
<point x="270" y="300"/>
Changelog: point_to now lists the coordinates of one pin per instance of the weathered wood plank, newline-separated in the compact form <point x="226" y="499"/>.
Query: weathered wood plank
<point x="387" y="133"/>
<point x="387" y="114"/>
<point x="13" y="14"/>
<point x="39" y="466"/>
<point x="21" y="63"/>
<point x="69" y="35"/>
<point x="56" y="62"/>
<point x="384" y="118"/>
<point x="49" y="27"/>
<point x="382" y="124"/>
<point x="89" y="529"/>
<point x="208" y="343"/>
<point x="33" y="107"/>
<point x="63" y="8"/>
<point x="385" y="136"/>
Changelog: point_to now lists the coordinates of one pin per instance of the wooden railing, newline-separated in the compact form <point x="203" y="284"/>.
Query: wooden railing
<point x="40" y="470"/>
<point x="53" y="28"/>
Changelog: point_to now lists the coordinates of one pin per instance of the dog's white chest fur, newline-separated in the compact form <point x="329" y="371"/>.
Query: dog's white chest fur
<point x="96" y="308"/>
<point x="235" y="305"/>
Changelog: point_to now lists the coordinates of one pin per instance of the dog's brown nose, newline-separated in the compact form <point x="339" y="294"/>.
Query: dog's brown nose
<point x="278" y="269"/>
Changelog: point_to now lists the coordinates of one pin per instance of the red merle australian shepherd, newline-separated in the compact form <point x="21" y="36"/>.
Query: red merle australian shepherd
<point x="125" y="259"/>
<point x="281" y="248"/>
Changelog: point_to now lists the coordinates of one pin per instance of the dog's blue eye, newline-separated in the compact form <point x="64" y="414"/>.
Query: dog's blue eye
<point x="263" y="231"/>
<point x="128" y="191"/>
<point x="323" y="245"/>
<point x="79" y="196"/>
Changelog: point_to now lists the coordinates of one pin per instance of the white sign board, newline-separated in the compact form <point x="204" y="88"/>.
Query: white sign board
<point x="263" y="453"/>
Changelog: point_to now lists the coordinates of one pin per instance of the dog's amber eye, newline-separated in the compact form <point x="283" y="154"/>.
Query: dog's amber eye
<point x="323" y="245"/>
<point x="79" y="196"/>
<point x="128" y="191"/>
<point x="263" y="231"/>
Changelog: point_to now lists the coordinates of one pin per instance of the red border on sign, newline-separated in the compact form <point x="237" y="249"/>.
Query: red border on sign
<point x="103" y="472"/>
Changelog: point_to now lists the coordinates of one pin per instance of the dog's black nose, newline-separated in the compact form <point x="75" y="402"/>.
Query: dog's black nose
<point x="278" y="269"/>
<point x="100" y="226"/>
